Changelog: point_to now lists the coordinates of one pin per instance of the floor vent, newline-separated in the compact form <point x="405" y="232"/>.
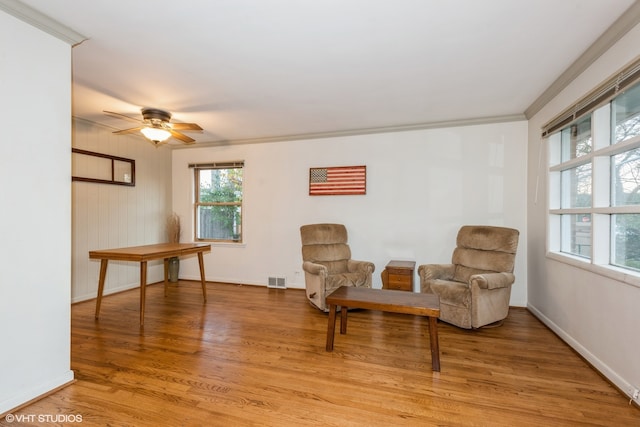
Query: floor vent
<point x="277" y="283"/>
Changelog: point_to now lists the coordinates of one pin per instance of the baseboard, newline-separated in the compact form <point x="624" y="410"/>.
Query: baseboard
<point x="106" y="292"/>
<point x="603" y="369"/>
<point x="129" y="286"/>
<point x="236" y="282"/>
<point x="26" y="398"/>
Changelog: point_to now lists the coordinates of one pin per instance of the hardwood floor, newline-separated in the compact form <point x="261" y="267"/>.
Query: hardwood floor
<point x="256" y="356"/>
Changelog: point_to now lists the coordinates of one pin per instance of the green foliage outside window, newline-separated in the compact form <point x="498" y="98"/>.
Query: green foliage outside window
<point x="219" y="204"/>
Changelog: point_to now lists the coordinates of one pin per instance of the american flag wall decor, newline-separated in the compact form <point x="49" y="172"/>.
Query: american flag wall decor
<point x="339" y="180"/>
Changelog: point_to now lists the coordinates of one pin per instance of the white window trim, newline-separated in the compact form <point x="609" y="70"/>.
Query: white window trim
<point x="217" y="165"/>
<point x="600" y="210"/>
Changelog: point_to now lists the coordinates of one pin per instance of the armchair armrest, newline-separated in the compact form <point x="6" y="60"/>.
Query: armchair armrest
<point x="436" y="271"/>
<point x="361" y="266"/>
<point x="492" y="280"/>
<point x="315" y="269"/>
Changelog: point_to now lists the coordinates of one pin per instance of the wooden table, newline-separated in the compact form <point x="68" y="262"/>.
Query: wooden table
<point x="398" y="275"/>
<point x="393" y="301"/>
<point x="146" y="253"/>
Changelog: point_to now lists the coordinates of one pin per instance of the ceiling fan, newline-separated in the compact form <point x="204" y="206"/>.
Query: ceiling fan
<point x="156" y="126"/>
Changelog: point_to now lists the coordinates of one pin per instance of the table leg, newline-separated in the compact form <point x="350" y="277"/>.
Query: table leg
<point x="343" y="320"/>
<point x="331" y="327"/>
<point x="202" y="280"/>
<point x="143" y="289"/>
<point x="435" y="347"/>
<point x="166" y="275"/>
<point x="103" y="275"/>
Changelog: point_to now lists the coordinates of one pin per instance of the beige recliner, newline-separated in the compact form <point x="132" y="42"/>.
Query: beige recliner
<point x="327" y="262"/>
<point x="475" y="288"/>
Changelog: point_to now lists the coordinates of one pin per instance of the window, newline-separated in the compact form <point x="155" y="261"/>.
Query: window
<point x="626" y="114"/>
<point x="218" y="201"/>
<point x="594" y="180"/>
<point x="576" y="139"/>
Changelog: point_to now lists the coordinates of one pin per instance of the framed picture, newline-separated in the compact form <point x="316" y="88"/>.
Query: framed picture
<point x="338" y="181"/>
<point x="89" y="166"/>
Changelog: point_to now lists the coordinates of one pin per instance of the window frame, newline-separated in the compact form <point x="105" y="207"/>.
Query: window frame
<point x="197" y="203"/>
<point x="602" y="209"/>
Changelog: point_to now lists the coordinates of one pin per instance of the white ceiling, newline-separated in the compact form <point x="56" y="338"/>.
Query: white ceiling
<point x="263" y="69"/>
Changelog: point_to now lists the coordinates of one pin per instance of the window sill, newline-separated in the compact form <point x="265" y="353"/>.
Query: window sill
<point x="219" y="244"/>
<point x="228" y="244"/>
<point x="616" y="273"/>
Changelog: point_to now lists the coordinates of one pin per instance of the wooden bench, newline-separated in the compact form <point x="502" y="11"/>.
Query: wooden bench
<point x="392" y="301"/>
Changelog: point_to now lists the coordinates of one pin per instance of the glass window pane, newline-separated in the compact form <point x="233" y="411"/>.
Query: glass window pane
<point x="576" y="187"/>
<point x="625" y="182"/>
<point x="626" y="114"/>
<point x="576" y="139"/>
<point x="219" y="222"/>
<point x="576" y="234"/>
<point x="219" y="204"/>
<point x="626" y="240"/>
<point x="220" y="185"/>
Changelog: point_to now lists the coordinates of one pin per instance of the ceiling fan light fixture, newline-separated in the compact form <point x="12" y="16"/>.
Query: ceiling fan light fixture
<point x="155" y="134"/>
<point x="156" y="127"/>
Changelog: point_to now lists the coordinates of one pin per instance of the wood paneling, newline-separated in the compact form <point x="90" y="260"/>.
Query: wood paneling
<point x="256" y="356"/>
<point x="107" y="216"/>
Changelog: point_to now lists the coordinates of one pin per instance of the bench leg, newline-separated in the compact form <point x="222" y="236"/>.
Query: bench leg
<point x="435" y="347"/>
<point x="331" y="327"/>
<point x="343" y="320"/>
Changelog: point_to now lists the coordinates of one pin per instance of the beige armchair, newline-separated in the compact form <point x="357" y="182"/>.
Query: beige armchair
<point x="327" y="262"/>
<point x="475" y="288"/>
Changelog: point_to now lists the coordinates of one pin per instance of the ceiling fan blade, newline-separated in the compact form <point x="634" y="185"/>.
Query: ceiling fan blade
<point x="181" y="137"/>
<point x="122" y="116"/>
<point x="184" y="126"/>
<point x="125" y="131"/>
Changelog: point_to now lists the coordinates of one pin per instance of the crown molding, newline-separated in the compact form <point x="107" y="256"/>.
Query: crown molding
<point x="332" y="134"/>
<point x="359" y="132"/>
<point x="629" y="19"/>
<point x="41" y="21"/>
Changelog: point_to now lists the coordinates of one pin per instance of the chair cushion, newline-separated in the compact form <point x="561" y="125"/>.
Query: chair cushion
<point x="335" y="267"/>
<point x="322" y="234"/>
<point x="488" y="238"/>
<point x="345" y="279"/>
<point x="452" y="293"/>
<point x="330" y="252"/>
<point x="463" y="273"/>
<point x="489" y="261"/>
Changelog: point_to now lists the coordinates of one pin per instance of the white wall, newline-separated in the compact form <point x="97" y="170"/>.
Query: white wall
<point x="111" y="216"/>
<point x="35" y="267"/>
<point x="421" y="187"/>
<point x="596" y="315"/>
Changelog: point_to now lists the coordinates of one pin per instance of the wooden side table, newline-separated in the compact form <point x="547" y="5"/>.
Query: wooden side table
<point x="398" y="275"/>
